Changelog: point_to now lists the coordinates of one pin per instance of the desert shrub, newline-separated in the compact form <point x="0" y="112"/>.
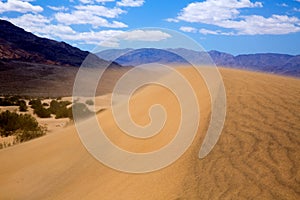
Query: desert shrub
<point x="29" y="135"/>
<point x="45" y="104"/>
<point x="81" y="111"/>
<point x="89" y="102"/>
<point x="22" y="106"/>
<point x="42" y="112"/>
<point x="9" y="122"/>
<point x="39" y="109"/>
<point x="35" y="103"/>
<point x="59" y="109"/>
<point x="25" y="127"/>
<point x="7" y="102"/>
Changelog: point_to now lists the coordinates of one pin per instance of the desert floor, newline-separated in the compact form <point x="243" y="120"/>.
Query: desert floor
<point x="256" y="157"/>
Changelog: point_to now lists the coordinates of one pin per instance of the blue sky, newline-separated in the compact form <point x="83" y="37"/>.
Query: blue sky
<point x="233" y="26"/>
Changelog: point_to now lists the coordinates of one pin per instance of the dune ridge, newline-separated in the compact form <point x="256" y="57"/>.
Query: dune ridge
<point x="256" y="157"/>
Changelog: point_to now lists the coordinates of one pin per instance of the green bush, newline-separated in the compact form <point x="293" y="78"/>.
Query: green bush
<point x="39" y="109"/>
<point x="59" y="109"/>
<point x="22" y="106"/>
<point x="25" y="127"/>
<point x="81" y="111"/>
<point x="89" y="102"/>
<point x="35" y="103"/>
<point x="7" y="102"/>
<point x="42" y="112"/>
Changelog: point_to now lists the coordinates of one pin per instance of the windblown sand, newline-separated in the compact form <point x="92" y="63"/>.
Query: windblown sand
<point x="256" y="157"/>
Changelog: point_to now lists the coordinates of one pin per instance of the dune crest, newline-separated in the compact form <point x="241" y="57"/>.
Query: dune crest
<point x="257" y="155"/>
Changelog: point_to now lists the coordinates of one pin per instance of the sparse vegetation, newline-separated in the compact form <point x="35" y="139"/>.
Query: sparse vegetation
<point x="39" y="109"/>
<point x="89" y="102"/>
<point x="22" y="106"/>
<point x="59" y="109"/>
<point x="23" y="126"/>
<point x="9" y="101"/>
<point x="81" y="111"/>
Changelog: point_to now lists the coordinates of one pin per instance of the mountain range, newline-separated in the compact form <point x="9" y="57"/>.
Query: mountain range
<point x="264" y="62"/>
<point x="17" y="45"/>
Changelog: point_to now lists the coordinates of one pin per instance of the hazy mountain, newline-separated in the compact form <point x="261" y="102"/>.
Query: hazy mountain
<point x="136" y="57"/>
<point x="265" y="62"/>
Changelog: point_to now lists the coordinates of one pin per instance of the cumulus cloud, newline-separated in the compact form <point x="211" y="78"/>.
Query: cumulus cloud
<point x="81" y="17"/>
<point x="210" y="32"/>
<point x="135" y="35"/>
<point x="93" y="1"/>
<point x="91" y="14"/>
<point x="112" y="38"/>
<point x="212" y="11"/>
<point x="19" y="6"/>
<point x="101" y="10"/>
<point x="130" y="3"/>
<point x="188" y="29"/>
<point x="58" y="8"/>
<point x="227" y="14"/>
<point x="41" y="26"/>
<point x="44" y="27"/>
<point x="171" y="20"/>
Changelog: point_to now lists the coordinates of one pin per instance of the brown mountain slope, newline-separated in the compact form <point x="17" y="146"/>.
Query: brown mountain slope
<point x="256" y="157"/>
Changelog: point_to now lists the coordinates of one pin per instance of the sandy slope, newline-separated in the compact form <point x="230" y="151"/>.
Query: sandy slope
<point x="257" y="155"/>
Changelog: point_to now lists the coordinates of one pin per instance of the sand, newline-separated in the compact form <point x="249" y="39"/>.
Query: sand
<point x="256" y="157"/>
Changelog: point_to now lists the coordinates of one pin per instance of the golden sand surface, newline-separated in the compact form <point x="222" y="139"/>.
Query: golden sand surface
<point x="256" y="157"/>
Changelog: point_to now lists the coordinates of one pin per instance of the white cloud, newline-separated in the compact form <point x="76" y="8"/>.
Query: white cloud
<point x="93" y="1"/>
<point x="81" y="17"/>
<point x="58" y="8"/>
<point x="44" y="27"/>
<point x="135" y="35"/>
<point x="226" y="14"/>
<point x="101" y="10"/>
<point x="212" y="11"/>
<point x="296" y="9"/>
<point x="208" y="32"/>
<point x="172" y="20"/>
<point x="130" y="3"/>
<point x="102" y="1"/>
<point x="91" y="14"/>
<point x="259" y="25"/>
<point x="41" y="26"/>
<point x="144" y="35"/>
<point x="282" y="5"/>
<point x="27" y="21"/>
<point x="19" y="6"/>
<point x="86" y="1"/>
<point x="188" y="29"/>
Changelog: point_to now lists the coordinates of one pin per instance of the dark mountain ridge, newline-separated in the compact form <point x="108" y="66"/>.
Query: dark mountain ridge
<point x="18" y="45"/>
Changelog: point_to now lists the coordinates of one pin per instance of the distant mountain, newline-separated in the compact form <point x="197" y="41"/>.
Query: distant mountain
<point x="147" y="55"/>
<point x="18" y="45"/>
<point x="264" y="62"/>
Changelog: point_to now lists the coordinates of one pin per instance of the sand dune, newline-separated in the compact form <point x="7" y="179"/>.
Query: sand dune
<point x="256" y="157"/>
